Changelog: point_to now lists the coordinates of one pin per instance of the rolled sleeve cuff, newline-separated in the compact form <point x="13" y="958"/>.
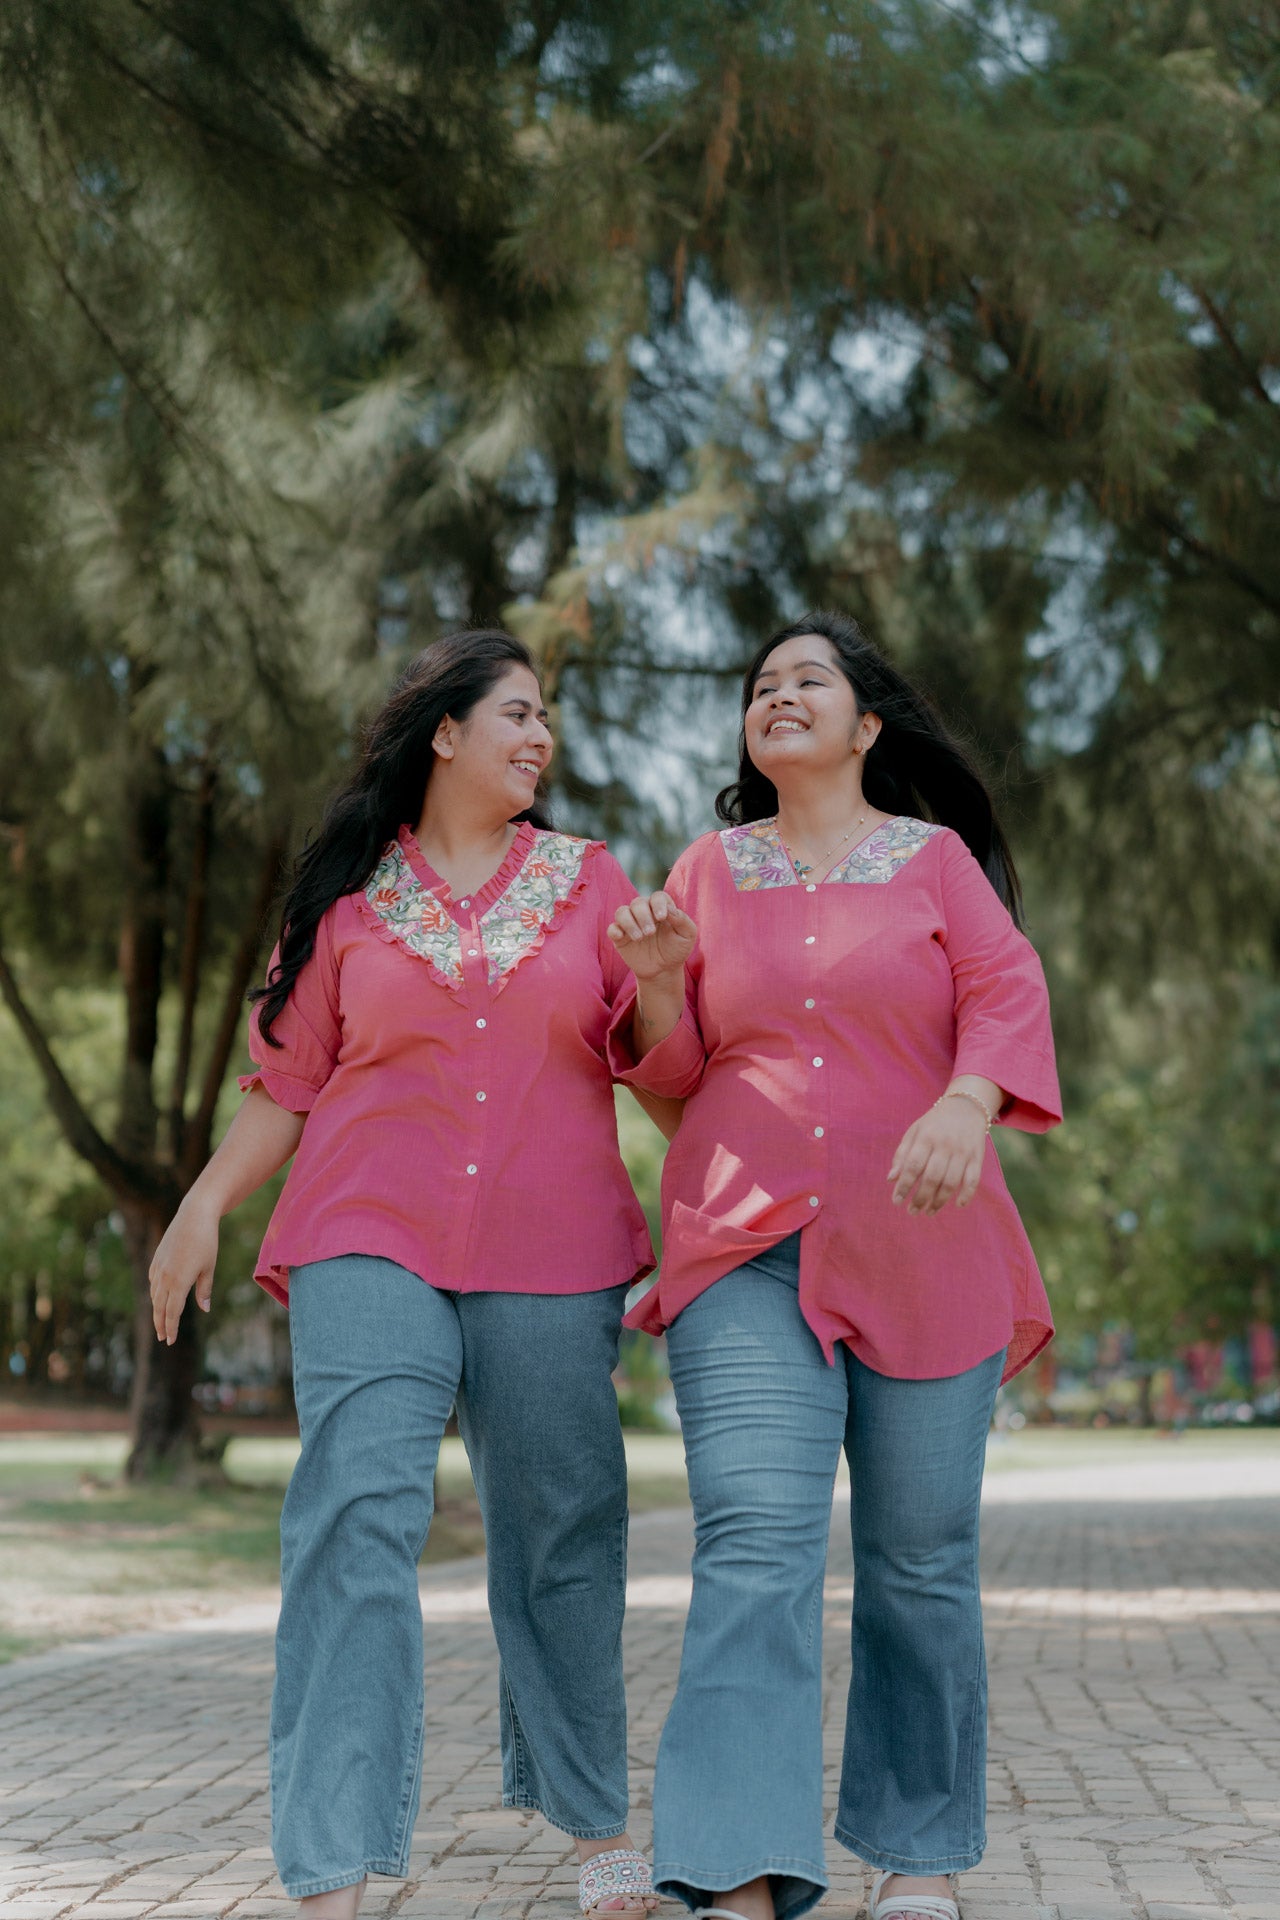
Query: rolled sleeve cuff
<point x="295" y="1096"/>
<point x="1029" y="1078"/>
<point x="671" y="1070"/>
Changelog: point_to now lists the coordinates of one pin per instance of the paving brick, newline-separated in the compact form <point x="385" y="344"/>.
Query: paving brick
<point x="1135" y="1759"/>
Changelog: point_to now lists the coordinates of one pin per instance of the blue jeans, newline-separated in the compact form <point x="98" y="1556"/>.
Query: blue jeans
<point x="738" y="1791"/>
<point x="379" y="1358"/>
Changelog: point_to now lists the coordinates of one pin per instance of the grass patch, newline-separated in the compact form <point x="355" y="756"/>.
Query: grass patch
<point x="82" y="1555"/>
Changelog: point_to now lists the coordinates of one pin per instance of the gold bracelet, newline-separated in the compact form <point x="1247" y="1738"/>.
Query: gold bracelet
<point x="963" y="1093"/>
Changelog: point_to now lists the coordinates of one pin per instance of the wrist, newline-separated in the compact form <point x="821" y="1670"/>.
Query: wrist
<point x="970" y="1099"/>
<point x="204" y="1202"/>
<point x="667" y="985"/>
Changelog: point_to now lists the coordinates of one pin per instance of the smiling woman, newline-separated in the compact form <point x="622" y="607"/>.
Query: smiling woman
<point x="457" y="1227"/>
<point x="843" y="1267"/>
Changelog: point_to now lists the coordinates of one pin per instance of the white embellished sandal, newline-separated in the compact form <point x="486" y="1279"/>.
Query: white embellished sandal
<point x="621" y="1873"/>
<point x="908" y="1906"/>
<point x="717" y="1913"/>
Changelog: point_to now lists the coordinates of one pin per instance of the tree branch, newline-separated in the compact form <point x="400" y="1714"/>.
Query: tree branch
<point x="189" y="967"/>
<point x="1230" y="569"/>
<point x="198" y="1132"/>
<point x="1250" y="374"/>
<point x="126" y="1179"/>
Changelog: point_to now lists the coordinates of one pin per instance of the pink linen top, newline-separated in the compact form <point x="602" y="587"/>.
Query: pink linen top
<point x="449" y="1055"/>
<point x="821" y="1020"/>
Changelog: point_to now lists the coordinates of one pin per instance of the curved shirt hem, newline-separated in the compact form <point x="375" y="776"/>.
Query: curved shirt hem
<point x="273" y="1275"/>
<point x="1027" y="1335"/>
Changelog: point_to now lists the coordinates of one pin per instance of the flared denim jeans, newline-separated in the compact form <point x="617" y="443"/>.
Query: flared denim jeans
<point x="738" y="1791"/>
<point x="379" y="1359"/>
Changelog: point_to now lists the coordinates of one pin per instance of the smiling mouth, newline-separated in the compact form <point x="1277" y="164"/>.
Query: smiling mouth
<point x="528" y="766"/>
<point x="784" y="726"/>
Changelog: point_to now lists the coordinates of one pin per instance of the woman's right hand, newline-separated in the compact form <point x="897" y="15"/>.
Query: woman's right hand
<point x="185" y="1258"/>
<point x="654" y="936"/>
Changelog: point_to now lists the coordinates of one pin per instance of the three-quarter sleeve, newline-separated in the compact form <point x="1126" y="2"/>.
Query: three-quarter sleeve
<point x="1001" y="1002"/>
<point x="672" y="1069"/>
<point x="616" y="890"/>
<point x="309" y="1030"/>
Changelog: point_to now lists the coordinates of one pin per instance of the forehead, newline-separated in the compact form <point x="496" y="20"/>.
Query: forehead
<point x="805" y="648"/>
<point x="517" y="683"/>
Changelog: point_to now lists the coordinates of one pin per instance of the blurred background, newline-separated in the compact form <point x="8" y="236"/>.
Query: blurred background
<point x="639" y="328"/>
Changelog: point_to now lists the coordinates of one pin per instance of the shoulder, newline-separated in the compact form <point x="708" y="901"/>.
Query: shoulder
<point x="700" y="857"/>
<point x="565" y="854"/>
<point x="905" y="833"/>
<point x="708" y="846"/>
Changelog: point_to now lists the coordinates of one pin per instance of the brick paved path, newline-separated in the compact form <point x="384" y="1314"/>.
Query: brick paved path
<point x="1134" y="1634"/>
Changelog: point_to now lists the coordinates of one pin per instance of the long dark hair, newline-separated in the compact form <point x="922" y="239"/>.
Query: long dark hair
<point x="916" y="765"/>
<point x="385" y="792"/>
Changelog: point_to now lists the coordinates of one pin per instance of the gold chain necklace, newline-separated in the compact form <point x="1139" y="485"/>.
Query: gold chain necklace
<point x="800" y="867"/>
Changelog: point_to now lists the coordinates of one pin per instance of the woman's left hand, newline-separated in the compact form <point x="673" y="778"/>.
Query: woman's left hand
<point x="939" y="1155"/>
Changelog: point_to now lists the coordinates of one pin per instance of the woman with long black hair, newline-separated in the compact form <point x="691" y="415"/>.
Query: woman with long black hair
<point x="842" y="1267"/>
<point x="457" y="1224"/>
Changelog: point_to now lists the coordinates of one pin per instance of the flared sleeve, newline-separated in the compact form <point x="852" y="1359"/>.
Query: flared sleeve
<point x="1001" y="1002"/>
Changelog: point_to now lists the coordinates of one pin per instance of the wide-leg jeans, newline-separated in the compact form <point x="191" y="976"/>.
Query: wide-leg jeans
<point x="379" y="1359"/>
<point x="738" y="1790"/>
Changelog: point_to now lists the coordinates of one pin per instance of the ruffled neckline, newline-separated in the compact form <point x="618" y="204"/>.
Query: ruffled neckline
<point x="408" y="905"/>
<point x="494" y="887"/>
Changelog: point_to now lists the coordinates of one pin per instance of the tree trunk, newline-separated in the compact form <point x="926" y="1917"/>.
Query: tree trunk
<point x="164" y="1424"/>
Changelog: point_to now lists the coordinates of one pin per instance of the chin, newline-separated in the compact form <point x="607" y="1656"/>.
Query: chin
<point x="773" y="755"/>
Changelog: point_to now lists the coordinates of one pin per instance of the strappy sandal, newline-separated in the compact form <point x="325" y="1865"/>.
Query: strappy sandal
<point x="908" y="1906"/>
<point x="620" y="1874"/>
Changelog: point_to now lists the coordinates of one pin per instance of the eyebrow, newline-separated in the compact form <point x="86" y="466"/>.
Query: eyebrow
<point x="769" y="673"/>
<point x="526" y="704"/>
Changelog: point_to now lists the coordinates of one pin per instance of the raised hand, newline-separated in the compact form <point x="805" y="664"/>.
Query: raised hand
<point x="653" y="936"/>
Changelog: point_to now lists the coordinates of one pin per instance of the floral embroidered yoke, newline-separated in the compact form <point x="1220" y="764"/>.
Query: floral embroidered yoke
<point x="757" y="857"/>
<point x="402" y="902"/>
<point x="449" y="1054"/>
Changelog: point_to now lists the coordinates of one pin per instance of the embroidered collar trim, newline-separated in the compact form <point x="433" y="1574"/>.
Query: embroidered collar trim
<point x="542" y="877"/>
<point x="757" y="858"/>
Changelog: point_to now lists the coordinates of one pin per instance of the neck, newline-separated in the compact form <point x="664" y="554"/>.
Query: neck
<point x="816" y="810"/>
<point x="459" y="826"/>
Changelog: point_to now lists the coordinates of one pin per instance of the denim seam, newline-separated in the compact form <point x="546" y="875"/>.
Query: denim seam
<point x="305" y="1889"/>
<point x="530" y="1805"/>
<point x="520" y="1796"/>
<point x="680" y="1883"/>
<point x="773" y="1863"/>
<point x="977" y="1776"/>
<point x="404" y="1818"/>
<point x="975" y="1786"/>
<point x="903" y="1863"/>
<point x="815" y="1611"/>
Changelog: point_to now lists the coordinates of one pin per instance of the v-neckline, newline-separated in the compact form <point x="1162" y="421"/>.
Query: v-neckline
<point x="479" y="901"/>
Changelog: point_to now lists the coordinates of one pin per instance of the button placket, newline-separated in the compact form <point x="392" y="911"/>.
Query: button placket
<point x="473" y="1116"/>
<point x="817" y="1063"/>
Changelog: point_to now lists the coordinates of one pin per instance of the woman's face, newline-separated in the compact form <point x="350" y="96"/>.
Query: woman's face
<point x="803" y="716"/>
<point x="503" y="746"/>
